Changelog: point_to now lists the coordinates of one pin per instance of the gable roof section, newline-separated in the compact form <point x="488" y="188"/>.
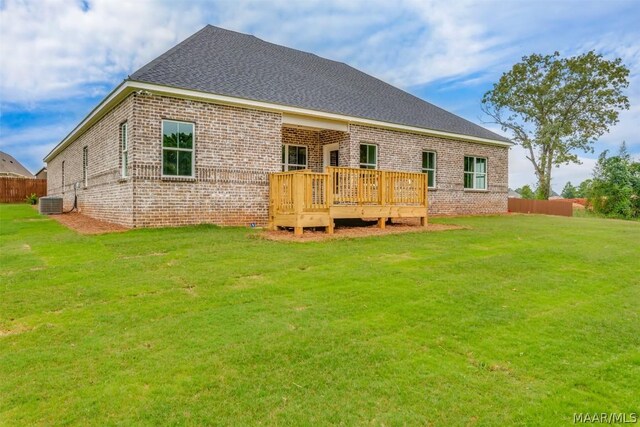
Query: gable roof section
<point x="233" y="64"/>
<point x="11" y="167"/>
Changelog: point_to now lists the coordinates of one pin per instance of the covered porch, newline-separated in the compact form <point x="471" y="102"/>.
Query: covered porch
<point x="304" y="198"/>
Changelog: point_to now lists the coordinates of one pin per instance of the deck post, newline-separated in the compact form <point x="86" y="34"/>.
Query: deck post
<point x="382" y="197"/>
<point x="424" y="220"/>
<point x="272" y="195"/>
<point x="329" y="192"/>
<point x="298" y="202"/>
<point x="331" y="226"/>
<point x="330" y="186"/>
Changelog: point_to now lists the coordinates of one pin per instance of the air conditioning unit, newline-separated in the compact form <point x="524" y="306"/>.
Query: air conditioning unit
<point x="50" y="205"/>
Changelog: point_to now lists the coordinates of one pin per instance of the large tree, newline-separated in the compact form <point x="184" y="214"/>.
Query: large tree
<point x="555" y="107"/>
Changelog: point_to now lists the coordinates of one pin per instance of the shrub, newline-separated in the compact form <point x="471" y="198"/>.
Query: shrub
<point x="32" y="199"/>
<point x="615" y="189"/>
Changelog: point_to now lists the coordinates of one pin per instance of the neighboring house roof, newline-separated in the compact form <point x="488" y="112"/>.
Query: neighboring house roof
<point x="224" y="62"/>
<point x="514" y="194"/>
<point x="43" y="170"/>
<point x="11" y="167"/>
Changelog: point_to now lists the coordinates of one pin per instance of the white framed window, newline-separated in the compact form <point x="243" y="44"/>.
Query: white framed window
<point x="294" y="157"/>
<point x="475" y="173"/>
<point x="368" y="156"/>
<point x="429" y="167"/>
<point x="124" y="141"/>
<point x="85" y="166"/>
<point x="178" y="153"/>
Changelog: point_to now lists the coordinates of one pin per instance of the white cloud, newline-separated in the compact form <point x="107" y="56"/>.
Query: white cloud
<point x="54" y="49"/>
<point x="408" y="42"/>
<point x="57" y="49"/>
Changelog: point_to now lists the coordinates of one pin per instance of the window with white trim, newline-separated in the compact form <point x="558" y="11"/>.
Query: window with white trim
<point x="475" y="173"/>
<point x="177" y="149"/>
<point x="294" y="157"/>
<point x="124" y="138"/>
<point x="368" y="156"/>
<point x="85" y="166"/>
<point x="429" y="167"/>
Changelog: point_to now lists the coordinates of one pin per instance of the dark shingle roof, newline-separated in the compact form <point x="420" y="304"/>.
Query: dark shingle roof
<point x="225" y="62"/>
<point x="10" y="166"/>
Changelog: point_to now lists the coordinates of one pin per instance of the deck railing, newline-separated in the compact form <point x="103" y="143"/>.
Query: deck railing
<point x="306" y="192"/>
<point x="377" y="187"/>
<point x="298" y="191"/>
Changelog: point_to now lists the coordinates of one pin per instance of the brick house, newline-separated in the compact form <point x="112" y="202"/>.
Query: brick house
<point x="192" y="136"/>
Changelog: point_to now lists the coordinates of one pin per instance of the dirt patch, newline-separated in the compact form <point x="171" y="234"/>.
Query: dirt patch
<point x="86" y="225"/>
<point x="16" y="330"/>
<point x="364" y="229"/>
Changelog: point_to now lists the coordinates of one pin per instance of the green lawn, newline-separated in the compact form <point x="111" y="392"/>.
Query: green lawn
<point x="518" y="320"/>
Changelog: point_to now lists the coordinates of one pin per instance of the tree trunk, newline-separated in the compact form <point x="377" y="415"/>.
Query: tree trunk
<point x="544" y="187"/>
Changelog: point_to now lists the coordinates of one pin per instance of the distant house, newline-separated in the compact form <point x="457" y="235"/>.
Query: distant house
<point x="514" y="194"/>
<point x="193" y="136"/>
<point x="10" y="167"/>
<point x="42" y="173"/>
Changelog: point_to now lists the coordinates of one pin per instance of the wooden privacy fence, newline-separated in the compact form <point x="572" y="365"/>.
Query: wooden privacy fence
<point x="546" y="207"/>
<point x="17" y="189"/>
<point x="310" y="199"/>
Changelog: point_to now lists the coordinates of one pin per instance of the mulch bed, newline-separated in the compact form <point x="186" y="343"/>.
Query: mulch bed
<point x="83" y="224"/>
<point x="353" y="229"/>
<point x="86" y="225"/>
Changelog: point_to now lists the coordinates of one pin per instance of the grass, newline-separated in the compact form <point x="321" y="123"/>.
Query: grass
<point x="518" y="320"/>
<point x="588" y="213"/>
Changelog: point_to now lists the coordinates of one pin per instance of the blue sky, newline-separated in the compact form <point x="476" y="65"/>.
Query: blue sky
<point x="59" y="58"/>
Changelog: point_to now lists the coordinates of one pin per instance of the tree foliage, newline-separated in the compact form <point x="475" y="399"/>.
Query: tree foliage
<point x="584" y="189"/>
<point x="615" y="189"/>
<point x="555" y="107"/>
<point x="526" y="192"/>
<point x="569" y="191"/>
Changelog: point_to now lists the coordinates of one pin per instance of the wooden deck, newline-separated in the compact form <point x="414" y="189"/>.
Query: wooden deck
<point x="309" y="199"/>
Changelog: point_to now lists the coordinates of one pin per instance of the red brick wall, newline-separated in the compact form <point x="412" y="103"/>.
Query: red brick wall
<point x="403" y="151"/>
<point x="107" y="196"/>
<point x="235" y="149"/>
